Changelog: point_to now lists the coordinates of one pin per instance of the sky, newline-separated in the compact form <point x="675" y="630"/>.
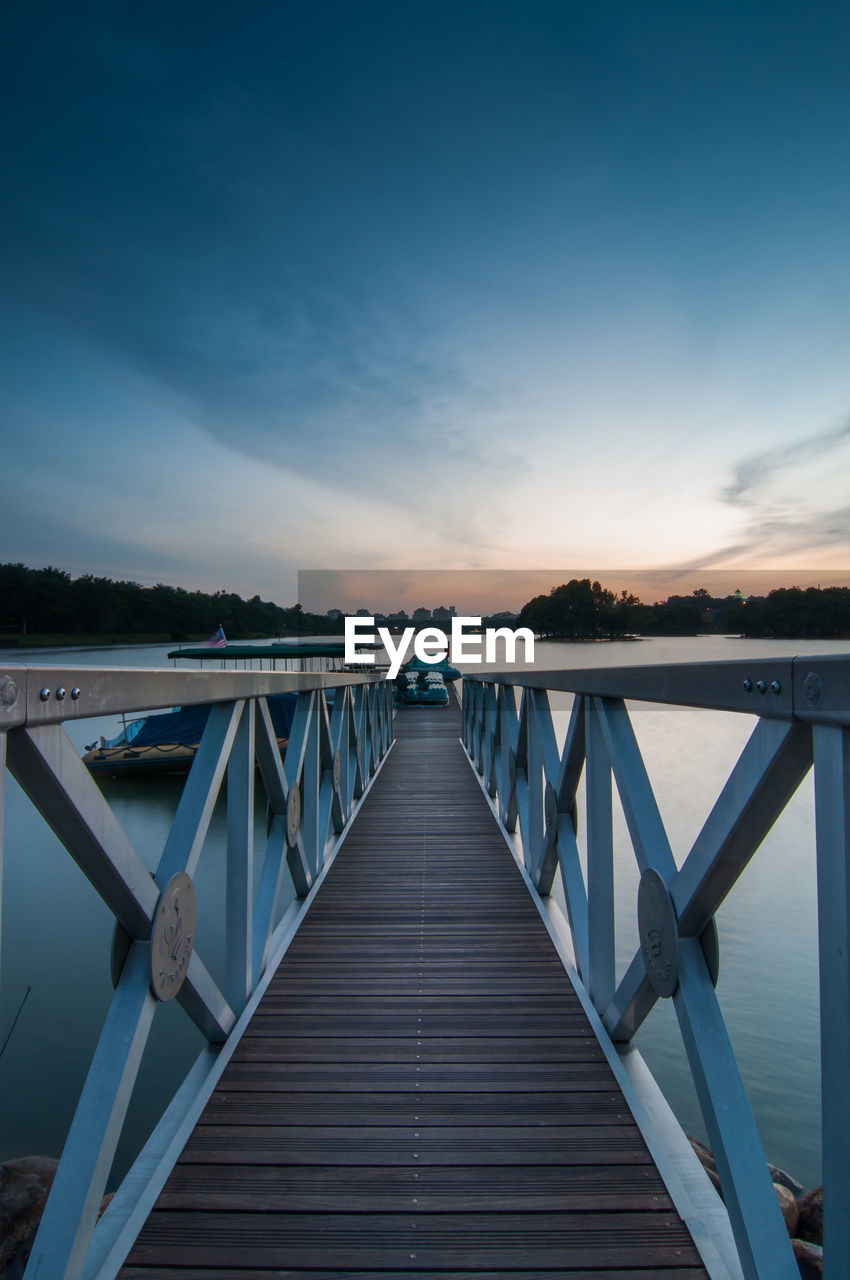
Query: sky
<point x="423" y="284"/>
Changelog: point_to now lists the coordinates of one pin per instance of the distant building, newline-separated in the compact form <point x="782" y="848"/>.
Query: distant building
<point x="441" y="613"/>
<point x="421" y="615"/>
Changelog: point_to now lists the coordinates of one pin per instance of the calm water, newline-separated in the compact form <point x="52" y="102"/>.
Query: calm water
<point x="56" y="931"/>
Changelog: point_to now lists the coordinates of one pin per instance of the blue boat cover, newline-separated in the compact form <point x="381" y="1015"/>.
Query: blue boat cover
<point x="186" y="724"/>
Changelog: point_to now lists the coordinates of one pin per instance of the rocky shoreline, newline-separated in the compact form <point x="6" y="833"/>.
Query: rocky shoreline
<point x="801" y="1209"/>
<point x="24" y="1187"/>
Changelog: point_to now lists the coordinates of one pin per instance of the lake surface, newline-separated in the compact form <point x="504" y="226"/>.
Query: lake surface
<point x="57" y="932"/>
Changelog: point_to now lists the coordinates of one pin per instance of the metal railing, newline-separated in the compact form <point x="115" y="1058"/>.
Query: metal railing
<point x="334" y="750"/>
<point x="802" y="711"/>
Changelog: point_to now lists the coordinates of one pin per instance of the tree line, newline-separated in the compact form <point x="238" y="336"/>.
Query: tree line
<point x="585" y="610"/>
<point x="48" y="601"/>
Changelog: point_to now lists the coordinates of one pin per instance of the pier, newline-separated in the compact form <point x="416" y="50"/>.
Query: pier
<point x="417" y="1064"/>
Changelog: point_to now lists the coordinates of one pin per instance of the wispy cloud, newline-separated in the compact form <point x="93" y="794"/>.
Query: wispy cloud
<point x="786" y="496"/>
<point x="750" y="474"/>
<point x="315" y="375"/>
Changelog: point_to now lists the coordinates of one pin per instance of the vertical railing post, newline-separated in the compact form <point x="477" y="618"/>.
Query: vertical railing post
<point x="534" y="849"/>
<point x="240" y="862"/>
<point x="377" y="714"/>
<point x="386" y="717"/>
<point x="368" y="735"/>
<point x="486" y="734"/>
<point x="346" y="747"/>
<point x="481" y="722"/>
<point x="310" y="787"/>
<point x="374" y="728"/>
<point x="832" y="820"/>
<point x="600" y="863"/>
<point x="339" y="746"/>
<point x="383" y="717"/>
<point x="507" y="765"/>
<point x="521" y="777"/>
<point x="475" y="726"/>
<point x="384" y="701"/>
<point x="358" y="782"/>
<point x="491" y="780"/>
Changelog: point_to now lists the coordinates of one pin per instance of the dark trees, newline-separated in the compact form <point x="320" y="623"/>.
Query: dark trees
<point x="48" y="602"/>
<point x="582" y="610"/>
<point x="810" y="613"/>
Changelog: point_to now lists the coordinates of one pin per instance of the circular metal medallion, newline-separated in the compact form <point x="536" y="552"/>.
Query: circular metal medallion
<point x="172" y="936"/>
<point x="293" y="815"/>
<point x="659" y="933"/>
<point x="8" y="691"/>
<point x="813" y="688"/>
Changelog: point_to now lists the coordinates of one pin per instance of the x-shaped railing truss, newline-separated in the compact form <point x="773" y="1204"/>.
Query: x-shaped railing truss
<point x="515" y="751"/>
<point x="330" y="757"/>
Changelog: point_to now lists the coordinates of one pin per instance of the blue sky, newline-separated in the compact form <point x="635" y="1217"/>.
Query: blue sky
<point x="417" y="284"/>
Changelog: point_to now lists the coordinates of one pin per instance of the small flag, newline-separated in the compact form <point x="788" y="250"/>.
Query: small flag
<point x="218" y="639"/>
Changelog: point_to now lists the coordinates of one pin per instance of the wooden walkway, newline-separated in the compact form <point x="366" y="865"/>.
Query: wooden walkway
<point x="419" y="1090"/>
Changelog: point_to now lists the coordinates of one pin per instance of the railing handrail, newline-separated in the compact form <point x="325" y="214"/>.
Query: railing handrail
<point x="811" y="687"/>
<point x="33" y="695"/>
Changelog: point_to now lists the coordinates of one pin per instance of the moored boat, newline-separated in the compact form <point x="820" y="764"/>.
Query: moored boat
<point x="296" y="653"/>
<point x="166" y="742"/>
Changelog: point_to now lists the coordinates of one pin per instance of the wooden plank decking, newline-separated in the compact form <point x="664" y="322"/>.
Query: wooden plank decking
<point x="419" y="1090"/>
